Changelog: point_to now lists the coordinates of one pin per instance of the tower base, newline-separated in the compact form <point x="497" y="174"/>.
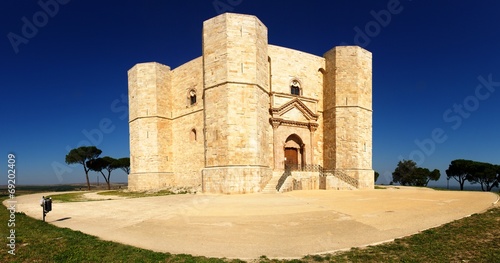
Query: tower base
<point x="235" y="180"/>
<point x="150" y="181"/>
<point x="365" y="178"/>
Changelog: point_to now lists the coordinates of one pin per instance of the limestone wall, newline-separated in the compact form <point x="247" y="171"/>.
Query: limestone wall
<point x="348" y="113"/>
<point x="235" y="180"/>
<point x="186" y="77"/>
<point x="236" y="101"/>
<point x="288" y="64"/>
<point x="235" y="50"/>
<point x="224" y="142"/>
<point x="187" y="125"/>
<point x="150" y="126"/>
<point x="334" y="183"/>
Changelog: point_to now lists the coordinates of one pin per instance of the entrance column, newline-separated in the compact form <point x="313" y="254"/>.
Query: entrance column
<point x="275" y="125"/>
<point x="312" y="128"/>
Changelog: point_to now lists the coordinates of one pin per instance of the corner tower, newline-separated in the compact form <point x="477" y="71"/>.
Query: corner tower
<point x="236" y="102"/>
<point x="348" y="113"/>
<point x="150" y="127"/>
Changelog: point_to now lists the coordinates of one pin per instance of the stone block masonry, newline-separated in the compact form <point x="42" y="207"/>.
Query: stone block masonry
<point x="226" y="121"/>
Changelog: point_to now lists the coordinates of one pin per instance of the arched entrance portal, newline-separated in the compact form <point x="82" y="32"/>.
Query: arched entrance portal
<point x="294" y="153"/>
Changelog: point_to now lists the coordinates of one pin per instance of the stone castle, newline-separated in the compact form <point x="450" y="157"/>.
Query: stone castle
<point x="249" y="117"/>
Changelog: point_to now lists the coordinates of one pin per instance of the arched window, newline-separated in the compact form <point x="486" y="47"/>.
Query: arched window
<point x="295" y="88"/>
<point x="192" y="135"/>
<point x="192" y="97"/>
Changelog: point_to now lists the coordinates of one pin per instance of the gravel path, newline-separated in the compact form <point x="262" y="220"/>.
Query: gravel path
<point x="288" y="225"/>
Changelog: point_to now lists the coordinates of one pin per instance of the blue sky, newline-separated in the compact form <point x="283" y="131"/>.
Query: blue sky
<point x="436" y="76"/>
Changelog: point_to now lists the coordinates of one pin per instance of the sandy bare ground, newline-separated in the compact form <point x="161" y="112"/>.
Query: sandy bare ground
<point x="247" y="226"/>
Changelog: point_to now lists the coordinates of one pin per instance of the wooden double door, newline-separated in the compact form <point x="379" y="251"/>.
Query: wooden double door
<point x="291" y="157"/>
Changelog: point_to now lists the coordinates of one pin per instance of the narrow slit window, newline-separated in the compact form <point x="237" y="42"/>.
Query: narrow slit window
<point x="192" y="97"/>
<point x="193" y="135"/>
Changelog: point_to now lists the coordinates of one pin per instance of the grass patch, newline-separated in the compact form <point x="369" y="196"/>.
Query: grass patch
<point x="79" y="197"/>
<point x="385" y="187"/>
<point x="37" y="241"/>
<point x="31" y="189"/>
<point x="129" y="194"/>
<point x="472" y="239"/>
<point x="69" y="197"/>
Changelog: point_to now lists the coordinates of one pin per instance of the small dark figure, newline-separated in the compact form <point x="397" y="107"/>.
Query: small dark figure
<point x="46" y="204"/>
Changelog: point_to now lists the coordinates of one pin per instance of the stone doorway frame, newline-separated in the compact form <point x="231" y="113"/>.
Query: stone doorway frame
<point x="293" y="141"/>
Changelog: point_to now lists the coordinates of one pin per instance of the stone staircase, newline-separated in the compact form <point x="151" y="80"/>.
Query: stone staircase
<point x="341" y="181"/>
<point x="329" y="179"/>
<point x="270" y="187"/>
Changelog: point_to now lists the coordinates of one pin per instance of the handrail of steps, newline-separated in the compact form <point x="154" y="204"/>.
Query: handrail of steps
<point x="315" y="168"/>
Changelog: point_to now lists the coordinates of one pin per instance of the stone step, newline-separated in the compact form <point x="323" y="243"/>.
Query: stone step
<point x="270" y="187"/>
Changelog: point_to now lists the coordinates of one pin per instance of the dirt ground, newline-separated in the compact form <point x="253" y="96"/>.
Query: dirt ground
<point x="288" y="225"/>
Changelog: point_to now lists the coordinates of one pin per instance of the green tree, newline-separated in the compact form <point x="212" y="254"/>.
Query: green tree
<point x="403" y="174"/>
<point x="124" y="164"/>
<point x="460" y="171"/>
<point x="498" y="176"/>
<point x="485" y="174"/>
<point x="408" y="173"/>
<point x="105" y="163"/>
<point x="434" y="175"/>
<point x="422" y="176"/>
<point x="81" y="156"/>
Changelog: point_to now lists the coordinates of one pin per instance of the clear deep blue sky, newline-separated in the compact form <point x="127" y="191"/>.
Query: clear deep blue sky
<point x="65" y="81"/>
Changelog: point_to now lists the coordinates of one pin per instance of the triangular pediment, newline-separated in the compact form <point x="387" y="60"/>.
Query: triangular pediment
<point x="294" y="110"/>
<point x="294" y="114"/>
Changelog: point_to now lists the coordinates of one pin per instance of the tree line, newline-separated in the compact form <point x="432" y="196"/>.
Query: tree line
<point x="88" y="157"/>
<point x="408" y="173"/>
<point x="486" y="174"/>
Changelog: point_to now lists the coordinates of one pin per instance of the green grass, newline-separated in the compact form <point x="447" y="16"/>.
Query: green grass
<point x="472" y="239"/>
<point x="385" y="187"/>
<point x="37" y="241"/>
<point x="79" y="196"/>
<point x="128" y="194"/>
<point x="31" y="189"/>
<point x="70" y="197"/>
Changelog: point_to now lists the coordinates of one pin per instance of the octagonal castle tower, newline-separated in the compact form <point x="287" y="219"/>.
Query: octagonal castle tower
<point x="246" y="114"/>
